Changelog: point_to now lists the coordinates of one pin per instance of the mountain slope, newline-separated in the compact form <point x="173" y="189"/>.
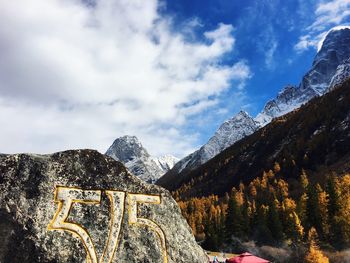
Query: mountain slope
<point x="315" y="137"/>
<point x="329" y="61"/>
<point x="129" y="151"/>
<point x="334" y="52"/>
<point x="341" y="74"/>
<point x="228" y="133"/>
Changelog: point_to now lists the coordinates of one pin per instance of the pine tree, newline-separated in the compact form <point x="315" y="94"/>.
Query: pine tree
<point x="302" y="202"/>
<point x="343" y="216"/>
<point x="211" y="237"/>
<point x="295" y="230"/>
<point x="262" y="234"/>
<point x="304" y="181"/>
<point x="276" y="167"/>
<point x="313" y="213"/>
<point x="233" y="219"/>
<point x="323" y="205"/>
<point x="274" y="222"/>
<point x="246" y="218"/>
<point x="292" y="223"/>
<point x="314" y="254"/>
<point x="333" y="191"/>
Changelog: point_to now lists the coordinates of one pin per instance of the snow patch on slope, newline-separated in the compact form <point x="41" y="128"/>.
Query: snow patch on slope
<point x="232" y="130"/>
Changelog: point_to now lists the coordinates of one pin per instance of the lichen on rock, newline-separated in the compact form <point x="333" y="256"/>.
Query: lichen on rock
<point x="28" y="208"/>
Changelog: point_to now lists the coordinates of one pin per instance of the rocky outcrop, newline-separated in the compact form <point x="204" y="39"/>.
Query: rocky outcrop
<point x="342" y="73"/>
<point x="129" y="151"/>
<point x="82" y="206"/>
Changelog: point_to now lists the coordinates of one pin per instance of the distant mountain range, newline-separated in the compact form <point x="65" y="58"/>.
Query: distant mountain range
<point x="315" y="137"/>
<point x="330" y="66"/>
<point x="129" y="151"/>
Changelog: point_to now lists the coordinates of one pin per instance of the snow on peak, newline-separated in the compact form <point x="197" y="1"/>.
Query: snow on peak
<point x="232" y="130"/>
<point x="129" y="151"/>
<point x="327" y="68"/>
<point x="342" y="73"/>
<point x="166" y="162"/>
<point x="336" y="28"/>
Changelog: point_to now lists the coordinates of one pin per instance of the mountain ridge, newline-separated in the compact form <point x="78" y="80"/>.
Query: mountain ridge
<point x="129" y="151"/>
<point x="332" y="55"/>
<point x="315" y="137"/>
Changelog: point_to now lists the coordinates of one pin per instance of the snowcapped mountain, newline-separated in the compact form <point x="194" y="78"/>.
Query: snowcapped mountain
<point x="229" y="132"/>
<point x="165" y="162"/>
<point x="330" y="66"/>
<point x="286" y="101"/>
<point x="329" y="61"/>
<point x="342" y="73"/>
<point x="129" y="151"/>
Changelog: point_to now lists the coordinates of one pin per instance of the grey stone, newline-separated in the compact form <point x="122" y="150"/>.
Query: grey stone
<point x="27" y="185"/>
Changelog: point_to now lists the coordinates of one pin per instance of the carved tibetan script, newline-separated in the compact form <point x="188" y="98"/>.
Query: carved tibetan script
<point x="65" y="197"/>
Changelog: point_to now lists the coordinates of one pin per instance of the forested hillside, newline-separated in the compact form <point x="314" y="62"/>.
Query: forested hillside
<point x="314" y="138"/>
<point x="265" y="212"/>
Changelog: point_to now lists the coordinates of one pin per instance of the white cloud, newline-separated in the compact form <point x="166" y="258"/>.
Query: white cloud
<point x="328" y="15"/>
<point x="76" y="76"/>
<point x="309" y="41"/>
<point x="270" y="53"/>
<point x="323" y="35"/>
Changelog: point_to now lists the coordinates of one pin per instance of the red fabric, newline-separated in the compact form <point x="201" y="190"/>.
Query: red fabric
<point x="247" y="258"/>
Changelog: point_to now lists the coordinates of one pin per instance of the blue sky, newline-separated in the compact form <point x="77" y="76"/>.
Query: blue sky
<point x="78" y="74"/>
<point x="266" y="33"/>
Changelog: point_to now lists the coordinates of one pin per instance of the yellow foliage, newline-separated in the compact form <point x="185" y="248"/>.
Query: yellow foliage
<point x="277" y="167"/>
<point x="314" y="255"/>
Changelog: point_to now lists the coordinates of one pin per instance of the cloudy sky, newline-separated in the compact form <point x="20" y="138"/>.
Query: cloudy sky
<point x="80" y="73"/>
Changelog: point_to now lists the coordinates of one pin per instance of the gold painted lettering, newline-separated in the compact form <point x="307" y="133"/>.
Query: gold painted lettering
<point x="134" y="199"/>
<point x="65" y="197"/>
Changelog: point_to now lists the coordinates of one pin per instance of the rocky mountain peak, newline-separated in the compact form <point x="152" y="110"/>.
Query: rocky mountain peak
<point x="166" y="162"/>
<point x="241" y="122"/>
<point x="129" y="150"/>
<point x="334" y="50"/>
<point x="342" y="73"/>
<point x="241" y="115"/>
<point x="330" y="66"/>
<point x="230" y="131"/>
<point x="335" y="37"/>
<point x="285" y="101"/>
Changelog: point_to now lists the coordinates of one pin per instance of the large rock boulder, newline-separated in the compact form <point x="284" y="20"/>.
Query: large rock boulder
<point x="82" y="206"/>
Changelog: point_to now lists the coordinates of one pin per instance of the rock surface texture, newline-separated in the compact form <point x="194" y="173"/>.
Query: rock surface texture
<point x="99" y="213"/>
<point x="129" y="151"/>
<point x="342" y="73"/>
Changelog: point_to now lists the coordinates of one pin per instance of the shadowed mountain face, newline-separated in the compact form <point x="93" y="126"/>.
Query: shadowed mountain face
<point x="79" y="205"/>
<point x="315" y="137"/>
